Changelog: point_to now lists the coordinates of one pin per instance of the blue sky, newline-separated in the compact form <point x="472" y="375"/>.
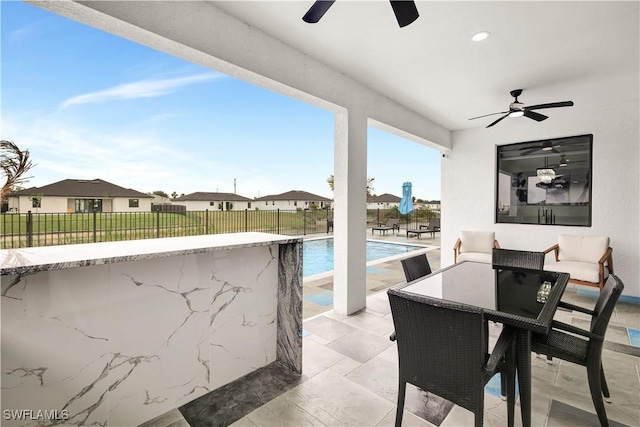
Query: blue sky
<point x="88" y="104"/>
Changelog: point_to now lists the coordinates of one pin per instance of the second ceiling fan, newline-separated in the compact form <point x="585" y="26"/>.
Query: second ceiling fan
<point x="517" y="109"/>
<point x="405" y="11"/>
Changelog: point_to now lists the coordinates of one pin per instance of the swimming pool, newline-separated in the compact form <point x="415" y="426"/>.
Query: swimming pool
<point x="317" y="255"/>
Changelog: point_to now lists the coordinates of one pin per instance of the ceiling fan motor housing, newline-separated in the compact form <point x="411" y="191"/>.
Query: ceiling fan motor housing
<point x="516" y="106"/>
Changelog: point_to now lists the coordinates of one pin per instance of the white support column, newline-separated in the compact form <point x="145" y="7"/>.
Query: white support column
<point x="350" y="221"/>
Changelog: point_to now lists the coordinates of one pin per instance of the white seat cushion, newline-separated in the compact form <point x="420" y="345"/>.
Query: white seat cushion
<point x="577" y="270"/>
<point x="475" y="256"/>
<point x="477" y="241"/>
<point x="582" y="248"/>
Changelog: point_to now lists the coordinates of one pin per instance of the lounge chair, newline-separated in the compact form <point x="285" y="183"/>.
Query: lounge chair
<point x="475" y="246"/>
<point x="392" y="224"/>
<point x="432" y="227"/>
<point x="587" y="259"/>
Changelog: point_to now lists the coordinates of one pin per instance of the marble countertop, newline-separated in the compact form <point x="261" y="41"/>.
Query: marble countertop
<point x="31" y="260"/>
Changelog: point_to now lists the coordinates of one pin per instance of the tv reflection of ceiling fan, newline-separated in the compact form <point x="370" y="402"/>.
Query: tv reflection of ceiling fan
<point x="564" y="162"/>
<point x="547" y="146"/>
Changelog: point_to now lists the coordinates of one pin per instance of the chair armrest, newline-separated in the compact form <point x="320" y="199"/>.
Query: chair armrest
<point x="570" y="328"/>
<point x="608" y="259"/>
<point x="496" y="244"/>
<point x="500" y="349"/>
<point x="456" y="250"/>
<point x="392" y="337"/>
<point x="554" y="248"/>
<point x="576" y="308"/>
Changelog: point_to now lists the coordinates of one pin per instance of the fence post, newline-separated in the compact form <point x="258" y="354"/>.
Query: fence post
<point x="206" y="221"/>
<point x="158" y="223"/>
<point x="304" y="222"/>
<point x="95" y="222"/>
<point x="246" y="214"/>
<point x="29" y="229"/>
<point x="278" y="220"/>
<point x="378" y="217"/>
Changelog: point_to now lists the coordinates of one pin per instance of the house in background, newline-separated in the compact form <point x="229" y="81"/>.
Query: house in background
<point x="79" y="195"/>
<point x="384" y="201"/>
<point x="292" y="200"/>
<point x="432" y="205"/>
<point x="202" y="200"/>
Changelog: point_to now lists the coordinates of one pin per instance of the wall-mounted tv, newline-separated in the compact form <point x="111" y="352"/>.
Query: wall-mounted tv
<point x="545" y="181"/>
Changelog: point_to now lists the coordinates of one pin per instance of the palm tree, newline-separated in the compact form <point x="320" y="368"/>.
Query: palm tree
<point x="14" y="163"/>
<point x="331" y="180"/>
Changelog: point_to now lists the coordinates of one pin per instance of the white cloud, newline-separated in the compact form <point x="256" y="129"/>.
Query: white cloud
<point x="141" y="89"/>
<point x="17" y="36"/>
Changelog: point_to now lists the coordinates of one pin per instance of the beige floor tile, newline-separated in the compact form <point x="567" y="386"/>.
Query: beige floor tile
<point x="373" y="324"/>
<point x="316" y="357"/>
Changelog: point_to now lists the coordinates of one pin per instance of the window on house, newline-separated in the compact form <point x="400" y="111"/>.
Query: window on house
<point x="212" y="203"/>
<point x="295" y="203"/>
<point x="229" y="206"/>
<point x="248" y="205"/>
<point x="134" y="203"/>
<point x="36" y="202"/>
<point x="273" y="203"/>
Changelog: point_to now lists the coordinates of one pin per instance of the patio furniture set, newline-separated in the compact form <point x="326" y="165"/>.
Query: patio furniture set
<point x="587" y="259"/>
<point x="513" y="289"/>
<point x="393" y="224"/>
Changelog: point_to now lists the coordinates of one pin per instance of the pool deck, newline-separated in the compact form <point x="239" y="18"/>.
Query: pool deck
<point x="318" y="291"/>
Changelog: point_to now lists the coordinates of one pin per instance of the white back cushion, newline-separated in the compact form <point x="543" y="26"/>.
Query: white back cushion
<point x="582" y="248"/>
<point x="477" y="241"/>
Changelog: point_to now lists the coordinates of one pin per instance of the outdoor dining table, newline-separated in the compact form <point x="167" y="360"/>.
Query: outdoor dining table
<point x="510" y="296"/>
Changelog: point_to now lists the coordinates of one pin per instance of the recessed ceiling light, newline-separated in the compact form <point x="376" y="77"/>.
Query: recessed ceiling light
<point x="480" y="36"/>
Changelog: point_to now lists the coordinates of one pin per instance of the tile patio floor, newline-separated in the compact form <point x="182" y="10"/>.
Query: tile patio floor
<point x="350" y="374"/>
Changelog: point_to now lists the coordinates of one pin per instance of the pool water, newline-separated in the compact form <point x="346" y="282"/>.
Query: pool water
<point x="318" y="254"/>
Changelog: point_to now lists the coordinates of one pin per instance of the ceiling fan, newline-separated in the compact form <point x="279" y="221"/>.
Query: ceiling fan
<point x="518" y="109"/>
<point x="405" y="11"/>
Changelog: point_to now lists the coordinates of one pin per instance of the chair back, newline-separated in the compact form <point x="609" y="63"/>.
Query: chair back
<point x="581" y="248"/>
<point x="518" y="259"/>
<point x="434" y="222"/>
<point x="477" y="241"/>
<point x="416" y="267"/>
<point x="393" y="222"/>
<point x="441" y="346"/>
<point x="606" y="302"/>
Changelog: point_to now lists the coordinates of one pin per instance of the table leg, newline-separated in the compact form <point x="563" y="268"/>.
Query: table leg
<point x="523" y="362"/>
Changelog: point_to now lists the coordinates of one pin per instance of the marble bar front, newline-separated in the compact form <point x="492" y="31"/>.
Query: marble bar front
<point x="116" y="333"/>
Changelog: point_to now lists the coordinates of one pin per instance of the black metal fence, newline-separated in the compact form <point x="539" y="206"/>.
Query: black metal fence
<point x="48" y="229"/>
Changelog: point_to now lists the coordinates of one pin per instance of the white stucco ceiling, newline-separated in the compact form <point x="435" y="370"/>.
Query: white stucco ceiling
<point x="587" y="52"/>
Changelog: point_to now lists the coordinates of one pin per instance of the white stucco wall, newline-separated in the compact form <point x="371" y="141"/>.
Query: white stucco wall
<point x="48" y="204"/>
<point x="377" y="205"/>
<point x="286" y="204"/>
<point x="198" y="205"/>
<point x="468" y="183"/>
<point x="121" y="204"/>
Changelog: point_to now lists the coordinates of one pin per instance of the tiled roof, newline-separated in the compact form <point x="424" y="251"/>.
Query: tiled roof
<point x="203" y="196"/>
<point x="385" y="198"/>
<point x="91" y="188"/>
<point x="295" y="195"/>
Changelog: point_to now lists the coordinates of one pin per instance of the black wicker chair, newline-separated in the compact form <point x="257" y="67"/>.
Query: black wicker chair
<point x="585" y="347"/>
<point x="442" y="348"/>
<point x="517" y="259"/>
<point x="416" y="267"/>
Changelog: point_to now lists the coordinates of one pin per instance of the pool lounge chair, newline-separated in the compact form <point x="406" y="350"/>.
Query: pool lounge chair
<point x="392" y="224"/>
